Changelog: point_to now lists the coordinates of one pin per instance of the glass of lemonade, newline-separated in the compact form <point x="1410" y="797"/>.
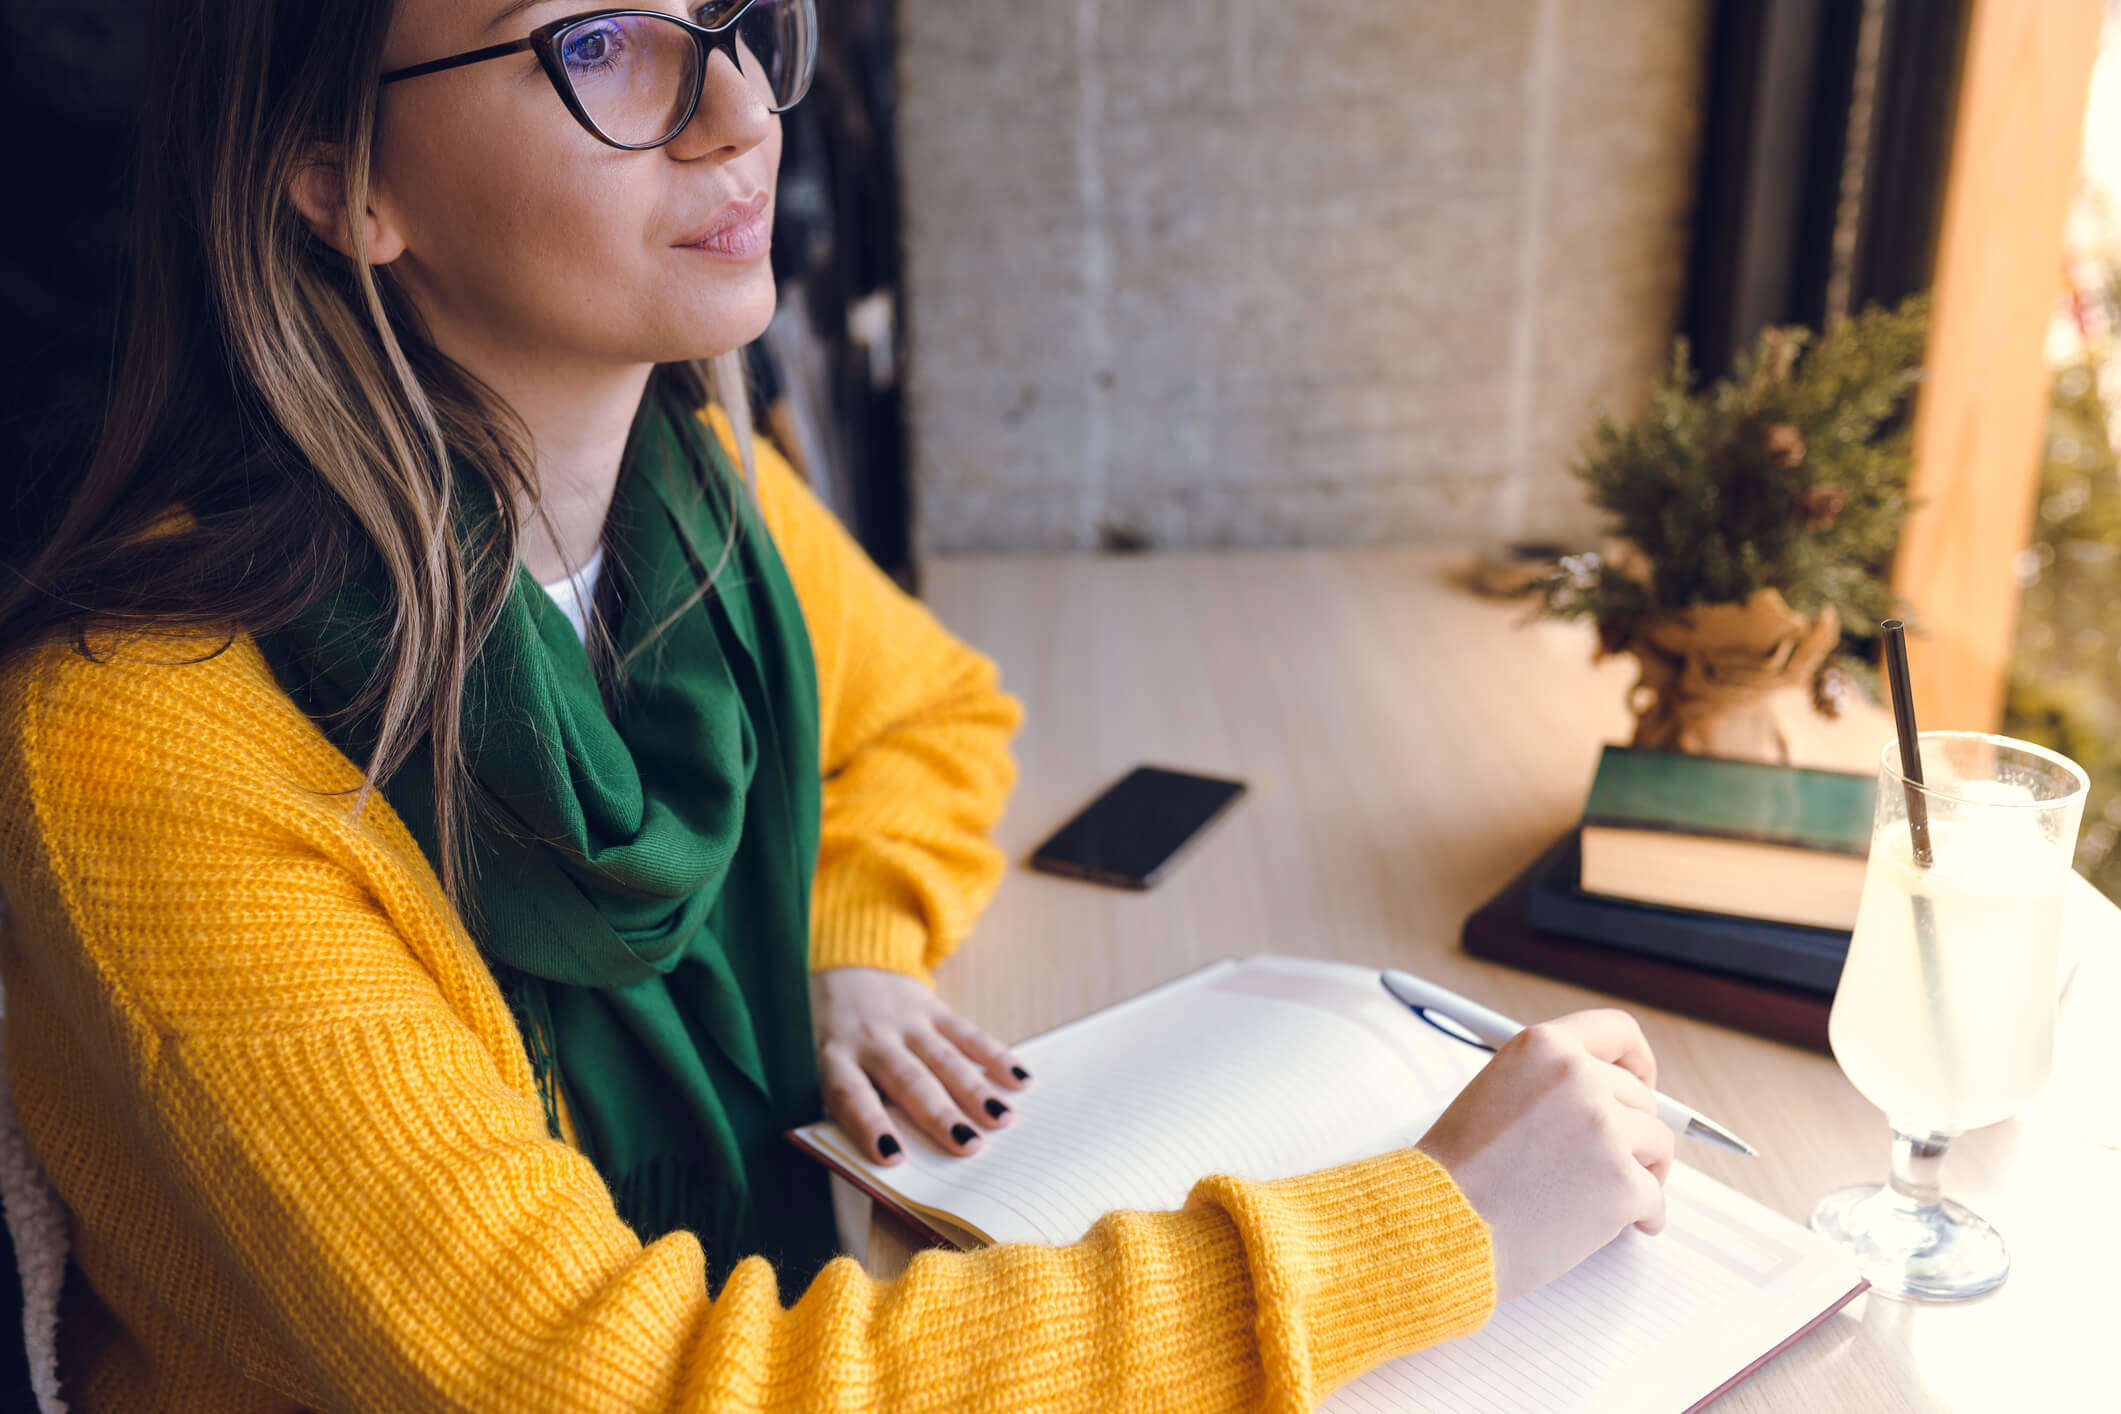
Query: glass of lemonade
<point x="1945" y="1015"/>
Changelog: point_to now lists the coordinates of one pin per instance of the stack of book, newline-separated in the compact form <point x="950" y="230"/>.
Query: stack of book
<point x="1724" y="889"/>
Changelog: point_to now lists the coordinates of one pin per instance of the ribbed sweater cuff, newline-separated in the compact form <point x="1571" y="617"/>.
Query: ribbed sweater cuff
<point x="863" y="930"/>
<point x="1356" y="1265"/>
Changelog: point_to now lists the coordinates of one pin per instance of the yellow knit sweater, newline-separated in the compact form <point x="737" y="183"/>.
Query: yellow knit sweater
<point x="303" y="1158"/>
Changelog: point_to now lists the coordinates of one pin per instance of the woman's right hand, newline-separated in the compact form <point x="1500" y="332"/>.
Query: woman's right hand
<point x="1557" y="1145"/>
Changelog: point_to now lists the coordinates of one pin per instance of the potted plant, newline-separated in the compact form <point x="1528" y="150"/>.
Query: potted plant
<point x="1754" y="522"/>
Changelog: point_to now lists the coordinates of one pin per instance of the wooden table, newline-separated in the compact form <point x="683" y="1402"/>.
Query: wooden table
<point x="1410" y="747"/>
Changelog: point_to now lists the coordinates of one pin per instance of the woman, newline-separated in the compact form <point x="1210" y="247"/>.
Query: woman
<point x="449" y="825"/>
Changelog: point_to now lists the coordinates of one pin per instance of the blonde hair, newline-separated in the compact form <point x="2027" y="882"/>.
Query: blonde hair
<point x="289" y="398"/>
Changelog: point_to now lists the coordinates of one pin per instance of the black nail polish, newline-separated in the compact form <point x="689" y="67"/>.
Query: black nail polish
<point x="997" y="1108"/>
<point x="888" y="1145"/>
<point x="1019" y="1072"/>
<point x="962" y="1133"/>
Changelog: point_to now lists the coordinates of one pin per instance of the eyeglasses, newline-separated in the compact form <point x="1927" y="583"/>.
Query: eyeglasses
<point x="633" y="77"/>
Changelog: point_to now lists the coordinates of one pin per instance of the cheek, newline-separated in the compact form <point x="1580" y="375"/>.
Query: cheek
<point x="514" y="226"/>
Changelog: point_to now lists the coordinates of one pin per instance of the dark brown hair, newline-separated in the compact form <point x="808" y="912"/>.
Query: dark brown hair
<point x="287" y="398"/>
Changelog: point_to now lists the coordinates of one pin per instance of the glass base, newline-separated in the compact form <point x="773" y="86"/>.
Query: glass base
<point x="1940" y="1253"/>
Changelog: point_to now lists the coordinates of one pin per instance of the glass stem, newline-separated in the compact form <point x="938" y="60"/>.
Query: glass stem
<point x="1918" y="1168"/>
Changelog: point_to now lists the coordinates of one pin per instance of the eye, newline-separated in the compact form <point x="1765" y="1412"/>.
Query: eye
<point x="592" y="47"/>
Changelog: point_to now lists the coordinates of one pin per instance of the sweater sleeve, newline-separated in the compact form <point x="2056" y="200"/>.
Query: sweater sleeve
<point x="914" y="746"/>
<point x="336" y="1122"/>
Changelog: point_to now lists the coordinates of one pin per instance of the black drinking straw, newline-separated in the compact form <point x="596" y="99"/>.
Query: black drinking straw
<point x="1927" y="953"/>
<point x="1918" y="810"/>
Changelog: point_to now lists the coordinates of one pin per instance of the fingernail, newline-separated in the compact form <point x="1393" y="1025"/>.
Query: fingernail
<point x="1019" y="1072"/>
<point x="997" y="1108"/>
<point x="888" y="1145"/>
<point x="962" y="1133"/>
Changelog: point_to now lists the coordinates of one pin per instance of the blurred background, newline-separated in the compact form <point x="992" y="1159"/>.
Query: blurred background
<point x="1225" y="273"/>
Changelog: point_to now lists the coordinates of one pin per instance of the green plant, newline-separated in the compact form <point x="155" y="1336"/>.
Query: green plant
<point x="2065" y="688"/>
<point x="1790" y="474"/>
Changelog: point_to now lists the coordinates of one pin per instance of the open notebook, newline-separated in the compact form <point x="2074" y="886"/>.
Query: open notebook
<point x="1273" y="1066"/>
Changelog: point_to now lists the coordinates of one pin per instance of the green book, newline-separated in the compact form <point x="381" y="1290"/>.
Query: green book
<point x="1739" y="837"/>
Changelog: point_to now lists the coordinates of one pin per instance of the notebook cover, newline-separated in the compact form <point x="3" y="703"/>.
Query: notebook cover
<point x="1800" y="807"/>
<point x="1862" y="1285"/>
<point x="1499" y="932"/>
<point x="1755" y="949"/>
<point x="915" y="1220"/>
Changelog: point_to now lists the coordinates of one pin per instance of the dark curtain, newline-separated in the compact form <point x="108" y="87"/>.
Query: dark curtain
<point x="1826" y="134"/>
<point x="70" y="97"/>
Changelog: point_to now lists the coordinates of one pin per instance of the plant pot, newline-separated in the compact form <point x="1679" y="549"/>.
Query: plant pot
<point x="1707" y="674"/>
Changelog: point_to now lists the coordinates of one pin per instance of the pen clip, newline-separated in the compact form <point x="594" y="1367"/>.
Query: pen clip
<point x="1450" y="1028"/>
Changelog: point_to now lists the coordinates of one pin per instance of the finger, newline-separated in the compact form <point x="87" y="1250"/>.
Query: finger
<point x="996" y="1059"/>
<point x="1653" y="1143"/>
<point x="966" y="1082"/>
<point x="854" y="1104"/>
<point x="1630" y="1091"/>
<point x="1650" y="1203"/>
<point x="914" y="1089"/>
<point x="1612" y="1035"/>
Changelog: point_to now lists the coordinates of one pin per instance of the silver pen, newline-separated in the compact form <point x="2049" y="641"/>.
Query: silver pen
<point x="1474" y="1024"/>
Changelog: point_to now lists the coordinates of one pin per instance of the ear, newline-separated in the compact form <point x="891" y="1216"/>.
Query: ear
<point x="318" y="190"/>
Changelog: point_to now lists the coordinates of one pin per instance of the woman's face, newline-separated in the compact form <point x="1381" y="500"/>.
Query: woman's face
<point x="525" y="236"/>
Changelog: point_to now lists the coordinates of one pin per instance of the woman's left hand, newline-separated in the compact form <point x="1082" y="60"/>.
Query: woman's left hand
<point x="882" y="1035"/>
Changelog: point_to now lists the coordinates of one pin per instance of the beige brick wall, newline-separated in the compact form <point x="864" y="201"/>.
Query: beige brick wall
<point x="1228" y="272"/>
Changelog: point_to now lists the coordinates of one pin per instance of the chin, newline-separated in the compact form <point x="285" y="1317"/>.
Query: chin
<point x="731" y="324"/>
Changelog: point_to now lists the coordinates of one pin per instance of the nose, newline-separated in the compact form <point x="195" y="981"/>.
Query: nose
<point x="733" y="116"/>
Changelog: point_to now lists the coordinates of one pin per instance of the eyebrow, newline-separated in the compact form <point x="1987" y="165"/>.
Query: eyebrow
<point x="514" y="7"/>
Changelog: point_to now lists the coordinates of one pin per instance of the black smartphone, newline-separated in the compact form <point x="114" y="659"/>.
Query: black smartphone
<point x="1130" y="836"/>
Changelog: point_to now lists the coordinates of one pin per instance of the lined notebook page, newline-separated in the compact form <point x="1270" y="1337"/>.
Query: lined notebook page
<point x="1276" y="1066"/>
<point x="1263" y="1069"/>
<point x="1647" y="1323"/>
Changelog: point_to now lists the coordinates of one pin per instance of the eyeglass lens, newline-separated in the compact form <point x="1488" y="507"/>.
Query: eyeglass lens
<point x="634" y="75"/>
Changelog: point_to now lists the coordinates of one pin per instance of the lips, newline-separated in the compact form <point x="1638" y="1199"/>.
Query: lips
<point x="737" y="229"/>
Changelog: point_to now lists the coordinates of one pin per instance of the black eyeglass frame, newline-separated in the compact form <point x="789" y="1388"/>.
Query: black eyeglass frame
<point x="546" y="39"/>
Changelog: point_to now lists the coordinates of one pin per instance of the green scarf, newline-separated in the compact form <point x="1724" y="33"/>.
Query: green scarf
<point x="641" y="874"/>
